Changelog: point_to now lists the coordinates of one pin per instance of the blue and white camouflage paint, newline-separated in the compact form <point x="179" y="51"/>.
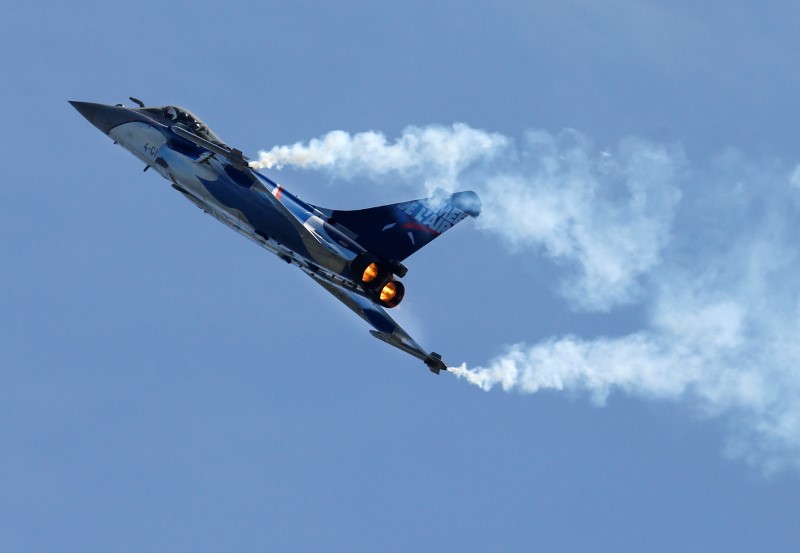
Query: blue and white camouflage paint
<point x="356" y="255"/>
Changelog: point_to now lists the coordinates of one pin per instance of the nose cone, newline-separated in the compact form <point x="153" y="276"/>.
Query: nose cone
<point x="105" y="117"/>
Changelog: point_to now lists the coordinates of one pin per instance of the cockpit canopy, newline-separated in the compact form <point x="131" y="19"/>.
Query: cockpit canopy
<point x="177" y="115"/>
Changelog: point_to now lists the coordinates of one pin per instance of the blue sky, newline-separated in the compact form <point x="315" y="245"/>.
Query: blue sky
<point x="166" y="385"/>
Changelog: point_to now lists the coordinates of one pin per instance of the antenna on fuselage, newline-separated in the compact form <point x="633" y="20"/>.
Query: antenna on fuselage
<point x="137" y="101"/>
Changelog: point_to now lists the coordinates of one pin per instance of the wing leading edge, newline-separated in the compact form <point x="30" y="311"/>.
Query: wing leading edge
<point x="385" y="328"/>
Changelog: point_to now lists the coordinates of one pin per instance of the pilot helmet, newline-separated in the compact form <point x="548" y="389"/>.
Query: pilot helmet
<point x="171" y="113"/>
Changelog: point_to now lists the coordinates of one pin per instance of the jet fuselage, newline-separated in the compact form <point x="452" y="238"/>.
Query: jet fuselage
<point x="355" y="255"/>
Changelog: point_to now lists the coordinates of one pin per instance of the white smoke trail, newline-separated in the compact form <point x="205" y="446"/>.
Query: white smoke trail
<point x="443" y="151"/>
<point x="722" y="297"/>
<point x="724" y="320"/>
<point x="607" y="214"/>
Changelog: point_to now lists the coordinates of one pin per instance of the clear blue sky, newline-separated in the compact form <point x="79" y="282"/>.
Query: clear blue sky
<point x="166" y="385"/>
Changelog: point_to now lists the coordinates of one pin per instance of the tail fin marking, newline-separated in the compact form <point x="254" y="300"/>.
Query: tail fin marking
<point x="396" y="231"/>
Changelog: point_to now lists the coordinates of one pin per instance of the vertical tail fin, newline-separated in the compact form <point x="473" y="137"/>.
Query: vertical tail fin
<point x="396" y="231"/>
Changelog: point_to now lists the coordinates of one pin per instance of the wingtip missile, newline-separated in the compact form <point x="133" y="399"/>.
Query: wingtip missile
<point x="435" y="363"/>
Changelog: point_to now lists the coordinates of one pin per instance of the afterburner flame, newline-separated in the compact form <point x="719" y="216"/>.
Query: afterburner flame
<point x="389" y="291"/>
<point x="370" y="273"/>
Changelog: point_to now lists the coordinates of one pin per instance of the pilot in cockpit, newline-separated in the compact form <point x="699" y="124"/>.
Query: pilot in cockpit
<point x="174" y="114"/>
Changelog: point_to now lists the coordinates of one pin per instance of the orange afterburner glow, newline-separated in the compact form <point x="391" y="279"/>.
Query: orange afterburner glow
<point x="389" y="291"/>
<point x="392" y="293"/>
<point x="370" y="273"/>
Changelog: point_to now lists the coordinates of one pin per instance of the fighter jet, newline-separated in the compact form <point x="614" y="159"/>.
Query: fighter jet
<point x="356" y="255"/>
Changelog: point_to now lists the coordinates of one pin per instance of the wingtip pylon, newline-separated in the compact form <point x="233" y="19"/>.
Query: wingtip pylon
<point x="435" y="363"/>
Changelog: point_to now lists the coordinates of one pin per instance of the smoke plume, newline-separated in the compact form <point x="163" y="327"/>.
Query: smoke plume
<point x="710" y="252"/>
<point x="607" y="214"/>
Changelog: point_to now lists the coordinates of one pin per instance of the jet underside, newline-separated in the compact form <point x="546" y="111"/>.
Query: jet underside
<point x="218" y="180"/>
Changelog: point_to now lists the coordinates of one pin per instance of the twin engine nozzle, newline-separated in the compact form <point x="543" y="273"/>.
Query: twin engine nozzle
<point x="376" y="277"/>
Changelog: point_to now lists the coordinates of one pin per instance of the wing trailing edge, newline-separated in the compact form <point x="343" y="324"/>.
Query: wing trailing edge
<point x="385" y="328"/>
<point x="433" y="360"/>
